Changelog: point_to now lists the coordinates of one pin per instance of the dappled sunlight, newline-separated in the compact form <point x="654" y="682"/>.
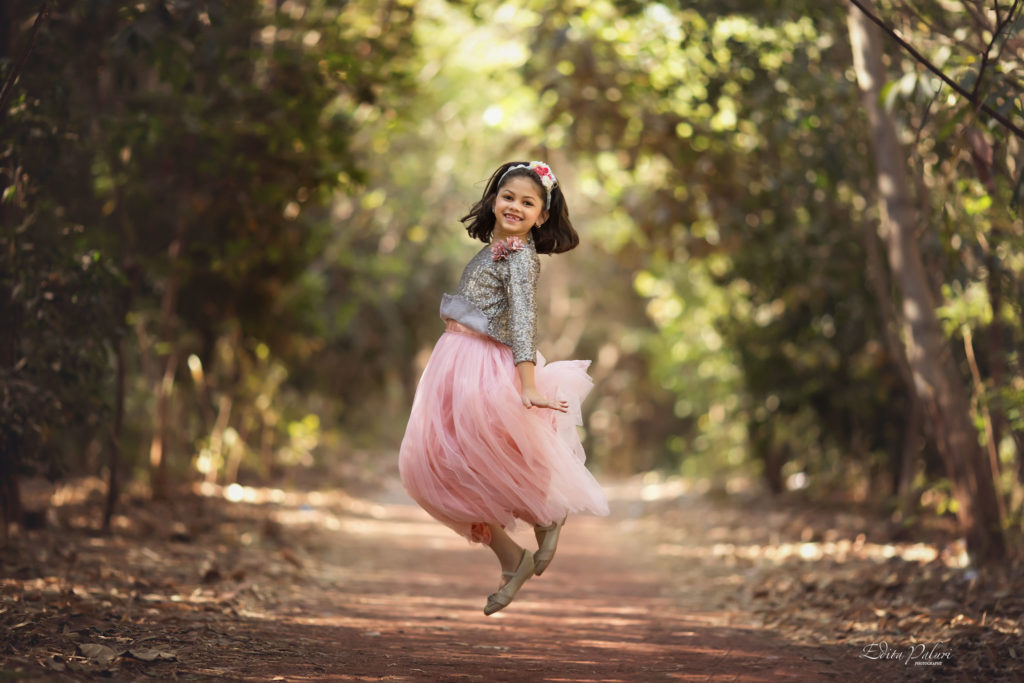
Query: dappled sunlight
<point x="720" y="541"/>
<point x="839" y="551"/>
<point x="237" y="493"/>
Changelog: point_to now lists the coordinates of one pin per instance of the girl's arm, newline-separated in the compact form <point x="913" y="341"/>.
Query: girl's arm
<point x="531" y="395"/>
<point x="523" y="270"/>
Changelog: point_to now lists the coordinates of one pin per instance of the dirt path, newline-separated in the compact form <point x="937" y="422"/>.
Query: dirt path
<point x="395" y="596"/>
<point x="324" y="586"/>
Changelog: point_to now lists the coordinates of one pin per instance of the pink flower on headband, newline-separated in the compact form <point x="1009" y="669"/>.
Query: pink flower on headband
<point x="502" y="249"/>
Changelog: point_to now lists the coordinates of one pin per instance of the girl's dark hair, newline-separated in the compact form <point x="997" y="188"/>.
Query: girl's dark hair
<point x="554" y="237"/>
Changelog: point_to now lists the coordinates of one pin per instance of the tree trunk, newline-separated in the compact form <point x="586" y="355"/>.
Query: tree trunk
<point x="235" y="455"/>
<point x="158" y="446"/>
<point x="996" y="340"/>
<point x="10" y="498"/>
<point x="762" y="441"/>
<point x="165" y="382"/>
<point x="936" y="379"/>
<point x="11" y="512"/>
<point x="114" y="447"/>
<point x="1018" y="441"/>
<point x="267" y="424"/>
<point x="991" y="441"/>
<point x="908" y="456"/>
<point x="217" y="460"/>
<point x="11" y="443"/>
<point x="878" y="279"/>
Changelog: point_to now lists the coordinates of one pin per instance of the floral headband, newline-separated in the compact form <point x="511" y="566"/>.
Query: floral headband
<point x="544" y="174"/>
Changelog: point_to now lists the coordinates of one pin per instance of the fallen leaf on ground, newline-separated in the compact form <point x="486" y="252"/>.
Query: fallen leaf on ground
<point x="146" y="655"/>
<point x="101" y="654"/>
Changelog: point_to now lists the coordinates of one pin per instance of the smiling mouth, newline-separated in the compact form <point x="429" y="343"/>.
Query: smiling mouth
<point x="512" y="219"/>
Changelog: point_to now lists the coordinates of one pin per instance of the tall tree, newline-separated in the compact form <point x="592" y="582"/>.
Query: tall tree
<point x="936" y="379"/>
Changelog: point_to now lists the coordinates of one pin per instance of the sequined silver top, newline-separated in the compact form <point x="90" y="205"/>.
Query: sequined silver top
<point x="499" y="299"/>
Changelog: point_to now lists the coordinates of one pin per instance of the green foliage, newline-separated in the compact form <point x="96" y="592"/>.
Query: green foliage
<point x="736" y="170"/>
<point x="724" y="131"/>
<point x="180" y="146"/>
<point x="259" y="202"/>
<point x="56" y="389"/>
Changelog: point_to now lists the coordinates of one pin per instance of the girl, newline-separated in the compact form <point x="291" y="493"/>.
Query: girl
<point x="492" y="435"/>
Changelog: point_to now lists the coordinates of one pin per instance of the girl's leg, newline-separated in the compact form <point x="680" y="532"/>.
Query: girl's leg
<point x="509" y="552"/>
<point x="547" y="543"/>
<point x="516" y="564"/>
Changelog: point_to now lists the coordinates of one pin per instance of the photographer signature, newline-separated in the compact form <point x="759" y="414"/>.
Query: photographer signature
<point x="921" y="654"/>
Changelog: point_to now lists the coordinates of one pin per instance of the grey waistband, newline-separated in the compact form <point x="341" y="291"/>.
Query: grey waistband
<point x="461" y="309"/>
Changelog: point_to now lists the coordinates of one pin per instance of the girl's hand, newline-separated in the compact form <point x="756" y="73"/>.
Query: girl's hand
<point x="533" y="398"/>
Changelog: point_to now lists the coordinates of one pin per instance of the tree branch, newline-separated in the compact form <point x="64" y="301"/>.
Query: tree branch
<point x="921" y="59"/>
<point x="8" y="88"/>
<point x="1001" y="23"/>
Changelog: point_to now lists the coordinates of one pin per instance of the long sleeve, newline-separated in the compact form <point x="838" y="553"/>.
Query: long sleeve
<point x="521" y="288"/>
<point x="498" y="297"/>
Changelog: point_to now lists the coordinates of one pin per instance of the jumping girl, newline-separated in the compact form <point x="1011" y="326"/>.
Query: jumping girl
<point x="492" y="435"/>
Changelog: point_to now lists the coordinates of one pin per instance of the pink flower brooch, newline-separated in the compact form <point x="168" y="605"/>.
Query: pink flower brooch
<point x="502" y="249"/>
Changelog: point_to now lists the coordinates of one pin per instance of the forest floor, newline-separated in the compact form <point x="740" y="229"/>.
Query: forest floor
<point x="255" y="584"/>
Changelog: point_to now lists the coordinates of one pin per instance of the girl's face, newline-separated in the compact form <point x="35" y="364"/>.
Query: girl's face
<point x="518" y="207"/>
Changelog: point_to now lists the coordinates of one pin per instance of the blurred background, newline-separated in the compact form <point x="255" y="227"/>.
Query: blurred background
<point x="226" y="228"/>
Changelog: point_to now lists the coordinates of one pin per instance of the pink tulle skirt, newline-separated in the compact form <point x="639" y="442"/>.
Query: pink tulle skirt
<point x="473" y="454"/>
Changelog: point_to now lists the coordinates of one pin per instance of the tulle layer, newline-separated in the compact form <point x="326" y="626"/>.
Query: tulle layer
<point x="472" y="453"/>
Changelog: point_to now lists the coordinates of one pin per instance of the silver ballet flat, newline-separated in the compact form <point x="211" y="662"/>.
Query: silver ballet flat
<point x="548" y="544"/>
<point x="501" y="599"/>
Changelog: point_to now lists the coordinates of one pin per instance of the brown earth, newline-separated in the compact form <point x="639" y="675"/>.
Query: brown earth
<point x="327" y="586"/>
